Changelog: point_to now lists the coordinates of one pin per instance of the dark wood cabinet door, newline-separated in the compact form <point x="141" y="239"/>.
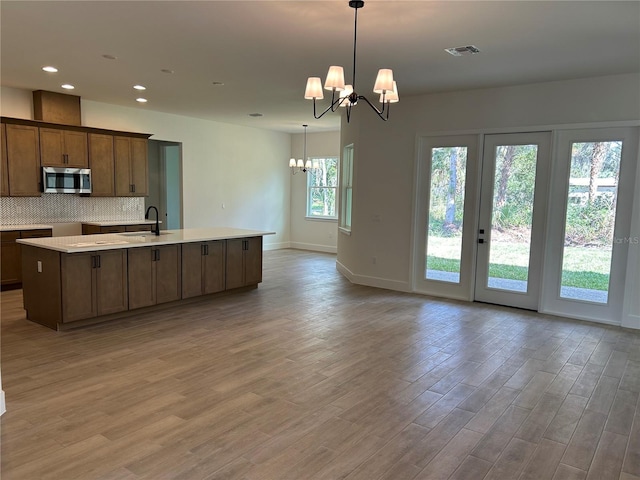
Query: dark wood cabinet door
<point x="192" y="258"/>
<point x="78" y="286"/>
<point x="111" y="282"/>
<point x="213" y="267"/>
<point x="139" y="167"/>
<point x="75" y="148"/>
<point x="102" y="164"/>
<point x="141" y="276"/>
<point x="253" y="261"/>
<point x="23" y="160"/>
<point x="63" y="148"/>
<point x="234" y="268"/>
<point x="131" y="166"/>
<point x="122" y="157"/>
<point x="4" y="180"/>
<point x="10" y="263"/>
<point x="52" y="147"/>
<point x="168" y="273"/>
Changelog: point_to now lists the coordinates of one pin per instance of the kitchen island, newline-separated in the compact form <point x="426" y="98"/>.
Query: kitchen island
<point x="77" y="280"/>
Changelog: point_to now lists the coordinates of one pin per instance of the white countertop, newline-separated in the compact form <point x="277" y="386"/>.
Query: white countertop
<point x="33" y="226"/>
<point x="122" y="222"/>
<point x="113" y="241"/>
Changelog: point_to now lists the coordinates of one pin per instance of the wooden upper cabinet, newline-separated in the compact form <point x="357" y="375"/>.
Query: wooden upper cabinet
<point x="63" y="148"/>
<point x="23" y="160"/>
<point x="4" y="192"/>
<point x="102" y="164"/>
<point x="131" y="166"/>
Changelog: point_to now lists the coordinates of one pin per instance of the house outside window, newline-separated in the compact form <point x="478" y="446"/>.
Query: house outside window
<point x="346" y="189"/>
<point x="322" y="187"/>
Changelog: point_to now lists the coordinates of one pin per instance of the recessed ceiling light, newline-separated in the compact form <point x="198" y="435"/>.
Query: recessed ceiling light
<point x="139" y="87"/>
<point x="109" y="57"/>
<point x="217" y="83"/>
<point x="166" y="70"/>
<point x="67" y="86"/>
<point x="50" y="69"/>
<point x="141" y="100"/>
<point x="255" y="114"/>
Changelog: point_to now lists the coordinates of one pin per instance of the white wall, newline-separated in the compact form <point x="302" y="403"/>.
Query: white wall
<point x="311" y="234"/>
<point x="384" y="157"/>
<point x="243" y="169"/>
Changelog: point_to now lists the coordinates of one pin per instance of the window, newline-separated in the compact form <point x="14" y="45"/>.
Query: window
<point x="322" y="185"/>
<point x="346" y="191"/>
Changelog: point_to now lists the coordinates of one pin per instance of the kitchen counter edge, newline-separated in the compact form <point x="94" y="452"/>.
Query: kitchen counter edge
<point x="116" y="241"/>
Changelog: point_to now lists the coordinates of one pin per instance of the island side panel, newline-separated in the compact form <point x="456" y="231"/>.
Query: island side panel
<point x="41" y="286"/>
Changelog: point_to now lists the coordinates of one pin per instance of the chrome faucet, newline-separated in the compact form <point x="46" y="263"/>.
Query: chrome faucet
<point x="146" y="216"/>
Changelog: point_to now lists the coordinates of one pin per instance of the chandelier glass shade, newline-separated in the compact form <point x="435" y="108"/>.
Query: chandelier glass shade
<point x="345" y="95"/>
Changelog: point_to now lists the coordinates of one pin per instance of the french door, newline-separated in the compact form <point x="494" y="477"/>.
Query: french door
<point x="504" y="219"/>
<point x="510" y="234"/>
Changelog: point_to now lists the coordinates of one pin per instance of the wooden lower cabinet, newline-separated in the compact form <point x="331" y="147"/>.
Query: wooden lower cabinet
<point x="243" y="262"/>
<point x="154" y="275"/>
<point x="93" y="284"/>
<point x="203" y="268"/>
<point x="10" y="253"/>
<point x="10" y="262"/>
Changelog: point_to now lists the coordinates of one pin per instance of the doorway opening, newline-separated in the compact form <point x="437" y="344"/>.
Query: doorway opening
<point x="165" y="182"/>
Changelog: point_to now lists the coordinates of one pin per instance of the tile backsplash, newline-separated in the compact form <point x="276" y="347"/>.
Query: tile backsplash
<point x="63" y="208"/>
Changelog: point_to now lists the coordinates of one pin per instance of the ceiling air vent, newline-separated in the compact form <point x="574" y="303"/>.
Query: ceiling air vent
<point x="460" y="51"/>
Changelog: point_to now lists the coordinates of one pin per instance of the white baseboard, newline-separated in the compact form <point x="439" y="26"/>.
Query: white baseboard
<point x="3" y="407"/>
<point x="314" y="247"/>
<point x="369" y="281"/>
<point x="276" y="246"/>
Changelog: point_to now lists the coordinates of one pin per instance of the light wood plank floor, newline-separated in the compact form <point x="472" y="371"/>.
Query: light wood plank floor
<point x="309" y="377"/>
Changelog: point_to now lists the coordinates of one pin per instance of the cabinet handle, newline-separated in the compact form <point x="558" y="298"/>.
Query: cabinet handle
<point x="206" y="249"/>
<point x="133" y="188"/>
<point x="202" y="250"/>
<point x="93" y="261"/>
<point x="97" y="261"/>
<point x="156" y="255"/>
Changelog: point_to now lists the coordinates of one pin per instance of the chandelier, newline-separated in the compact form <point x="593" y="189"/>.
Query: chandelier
<point x="346" y="94"/>
<point x="303" y="164"/>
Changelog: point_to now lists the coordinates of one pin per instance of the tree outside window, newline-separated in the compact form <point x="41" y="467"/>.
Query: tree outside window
<point x="322" y="185"/>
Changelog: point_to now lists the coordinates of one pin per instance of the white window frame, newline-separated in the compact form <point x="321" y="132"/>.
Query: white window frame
<point x="346" y="190"/>
<point x="309" y="215"/>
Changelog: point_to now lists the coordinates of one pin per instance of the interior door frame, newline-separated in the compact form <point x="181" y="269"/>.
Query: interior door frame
<point x="531" y="298"/>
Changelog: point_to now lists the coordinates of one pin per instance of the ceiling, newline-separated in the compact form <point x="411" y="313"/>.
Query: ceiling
<point x="263" y="51"/>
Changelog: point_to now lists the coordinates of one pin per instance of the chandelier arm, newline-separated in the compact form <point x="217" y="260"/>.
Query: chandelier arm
<point x="335" y="103"/>
<point x="380" y="113"/>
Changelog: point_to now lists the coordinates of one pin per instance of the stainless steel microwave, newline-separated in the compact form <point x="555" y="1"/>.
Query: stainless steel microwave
<point x="66" y="180"/>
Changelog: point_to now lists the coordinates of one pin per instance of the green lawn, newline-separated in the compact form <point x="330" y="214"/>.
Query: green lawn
<point x="583" y="267"/>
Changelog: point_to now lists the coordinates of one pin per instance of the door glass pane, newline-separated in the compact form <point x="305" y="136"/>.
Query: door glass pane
<point x="590" y="220"/>
<point x="446" y="210"/>
<point x="511" y="217"/>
